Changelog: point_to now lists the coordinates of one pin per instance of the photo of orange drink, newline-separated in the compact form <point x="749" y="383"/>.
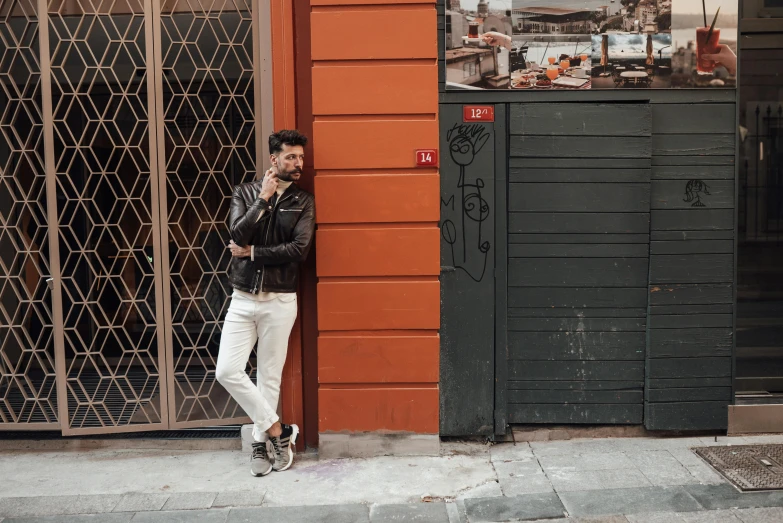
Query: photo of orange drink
<point x="552" y="72"/>
<point x="705" y="46"/>
<point x="565" y="64"/>
<point x="551" y="60"/>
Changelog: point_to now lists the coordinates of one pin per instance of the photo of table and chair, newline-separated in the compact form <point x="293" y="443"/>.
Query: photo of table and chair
<point x="629" y="61"/>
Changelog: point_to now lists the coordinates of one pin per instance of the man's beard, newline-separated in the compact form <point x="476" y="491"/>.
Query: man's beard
<point x="288" y="176"/>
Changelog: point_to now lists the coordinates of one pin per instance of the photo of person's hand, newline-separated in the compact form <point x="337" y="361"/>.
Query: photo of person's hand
<point x="725" y="57"/>
<point x="496" y="39"/>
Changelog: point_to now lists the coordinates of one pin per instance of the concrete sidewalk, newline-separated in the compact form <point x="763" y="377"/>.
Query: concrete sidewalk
<point x="620" y="480"/>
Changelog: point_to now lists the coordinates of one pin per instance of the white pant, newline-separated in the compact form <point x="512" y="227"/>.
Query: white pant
<point x="269" y="323"/>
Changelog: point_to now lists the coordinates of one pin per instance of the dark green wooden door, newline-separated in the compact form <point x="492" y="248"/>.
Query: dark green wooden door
<point x="578" y="261"/>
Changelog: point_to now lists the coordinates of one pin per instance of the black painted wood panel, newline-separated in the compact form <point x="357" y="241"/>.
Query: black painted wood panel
<point x="693" y="172"/>
<point x="574" y="385"/>
<point x="693" y="220"/>
<point x="674" y="194"/>
<point x="583" y="147"/>
<point x="581" y="197"/>
<point x="576" y="222"/>
<point x="581" y="120"/>
<point x="527" y="174"/>
<point x="576" y="370"/>
<point x="698" y="342"/>
<point x="566" y="250"/>
<point x="690" y="321"/>
<point x="692" y="268"/>
<point x="689" y="368"/>
<point x="572" y="324"/>
<point x="696" y="415"/>
<point x="547" y="397"/>
<point x="582" y="272"/>
<point x="692" y="247"/>
<point x="576" y="345"/>
<point x="577" y="312"/>
<point x="689" y="394"/>
<point x="693" y="144"/>
<point x="568" y="413"/>
<point x="577" y="297"/>
<point x="578" y="238"/>
<point x="693" y="119"/>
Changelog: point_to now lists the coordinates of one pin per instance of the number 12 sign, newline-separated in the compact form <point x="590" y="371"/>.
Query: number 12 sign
<point x="426" y="157"/>
<point x="478" y="113"/>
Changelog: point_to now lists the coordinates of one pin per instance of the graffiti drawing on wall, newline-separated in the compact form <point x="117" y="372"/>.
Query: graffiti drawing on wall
<point x="694" y="190"/>
<point x="468" y="248"/>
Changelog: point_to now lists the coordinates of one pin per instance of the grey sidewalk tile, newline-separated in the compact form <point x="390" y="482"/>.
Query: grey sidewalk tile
<point x="571" y="447"/>
<point x="190" y="500"/>
<point x="141" y="502"/>
<point x="586" y="461"/>
<point x="182" y="516"/>
<point x="239" y="498"/>
<point x="662" y="469"/>
<point x="303" y="514"/>
<point x="53" y="505"/>
<point x="706" y="475"/>
<point x="760" y="515"/>
<point x="490" y="489"/>
<point x="599" y="519"/>
<point x="707" y="516"/>
<point x="629" y="501"/>
<point x="412" y="512"/>
<point x="725" y="496"/>
<point x="530" y="506"/>
<point x="568" y="481"/>
<point x="510" y="452"/>
<point x="77" y="518"/>
<point x="517" y="478"/>
<point x="686" y="457"/>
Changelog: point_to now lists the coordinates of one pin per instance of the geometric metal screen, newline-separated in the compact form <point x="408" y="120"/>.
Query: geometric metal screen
<point x="106" y="200"/>
<point x="124" y="126"/>
<point x="207" y="125"/>
<point x="27" y="364"/>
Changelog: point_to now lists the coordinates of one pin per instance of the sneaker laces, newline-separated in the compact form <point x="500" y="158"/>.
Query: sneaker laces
<point x="275" y="443"/>
<point x="259" y="450"/>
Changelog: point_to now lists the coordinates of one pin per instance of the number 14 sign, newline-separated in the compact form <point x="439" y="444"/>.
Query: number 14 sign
<point x="426" y="157"/>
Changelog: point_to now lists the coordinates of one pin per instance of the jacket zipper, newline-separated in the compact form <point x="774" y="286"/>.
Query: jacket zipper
<point x="266" y="239"/>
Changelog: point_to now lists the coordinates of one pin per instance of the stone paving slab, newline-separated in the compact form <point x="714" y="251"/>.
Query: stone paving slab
<point x="239" y="498"/>
<point x="629" y="501"/>
<point x="760" y="515"/>
<point x="409" y="513"/>
<point x="53" y="505"/>
<point x="78" y="518"/>
<point x="190" y="500"/>
<point x="141" y="502"/>
<point x="510" y="452"/>
<point x="517" y="478"/>
<point x="302" y="514"/>
<point x="725" y="496"/>
<point x="586" y="461"/>
<point x="527" y="507"/>
<point x="662" y="469"/>
<point x="183" y="516"/>
<point x="490" y="489"/>
<point x="712" y="516"/>
<point x="597" y="480"/>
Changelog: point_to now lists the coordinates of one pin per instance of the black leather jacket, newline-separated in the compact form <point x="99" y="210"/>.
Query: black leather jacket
<point x="281" y="239"/>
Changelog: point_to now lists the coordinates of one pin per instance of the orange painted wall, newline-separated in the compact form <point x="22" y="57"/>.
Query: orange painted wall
<point x="374" y="102"/>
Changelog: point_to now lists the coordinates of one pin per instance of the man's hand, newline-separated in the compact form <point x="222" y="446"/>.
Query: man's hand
<point x="269" y="184"/>
<point x="237" y="251"/>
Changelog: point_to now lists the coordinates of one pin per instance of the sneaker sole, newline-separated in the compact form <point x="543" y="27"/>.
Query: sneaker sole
<point x="290" y="451"/>
<point x="260" y="474"/>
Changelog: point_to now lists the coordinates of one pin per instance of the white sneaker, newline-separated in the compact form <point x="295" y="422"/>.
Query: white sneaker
<point x="259" y="460"/>
<point x="282" y="447"/>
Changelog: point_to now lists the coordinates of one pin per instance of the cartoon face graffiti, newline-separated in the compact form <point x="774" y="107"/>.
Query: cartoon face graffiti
<point x="694" y="190"/>
<point x="465" y="142"/>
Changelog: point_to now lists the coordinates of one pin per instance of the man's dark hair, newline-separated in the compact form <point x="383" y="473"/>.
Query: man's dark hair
<point x="287" y="137"/>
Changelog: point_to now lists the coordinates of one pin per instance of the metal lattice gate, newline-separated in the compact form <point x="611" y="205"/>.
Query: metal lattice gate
<point x="124" y="126"/>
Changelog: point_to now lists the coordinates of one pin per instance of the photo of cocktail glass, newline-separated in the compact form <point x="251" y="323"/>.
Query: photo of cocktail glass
<point x="565" y="64"/>
<point x="706" y="43"/>
<point x="552" y="72"/>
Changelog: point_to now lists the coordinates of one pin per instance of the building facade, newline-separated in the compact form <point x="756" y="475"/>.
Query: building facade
<point x="559" y="274"/>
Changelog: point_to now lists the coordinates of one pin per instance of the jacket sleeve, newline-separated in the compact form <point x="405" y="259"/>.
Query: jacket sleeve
<point x="294" y="251"/>
<point x="243" y="220"/>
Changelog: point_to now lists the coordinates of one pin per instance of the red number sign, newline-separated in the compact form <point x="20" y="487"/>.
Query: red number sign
<point x="478" y="113"/>
<point x="426" y="157"/>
